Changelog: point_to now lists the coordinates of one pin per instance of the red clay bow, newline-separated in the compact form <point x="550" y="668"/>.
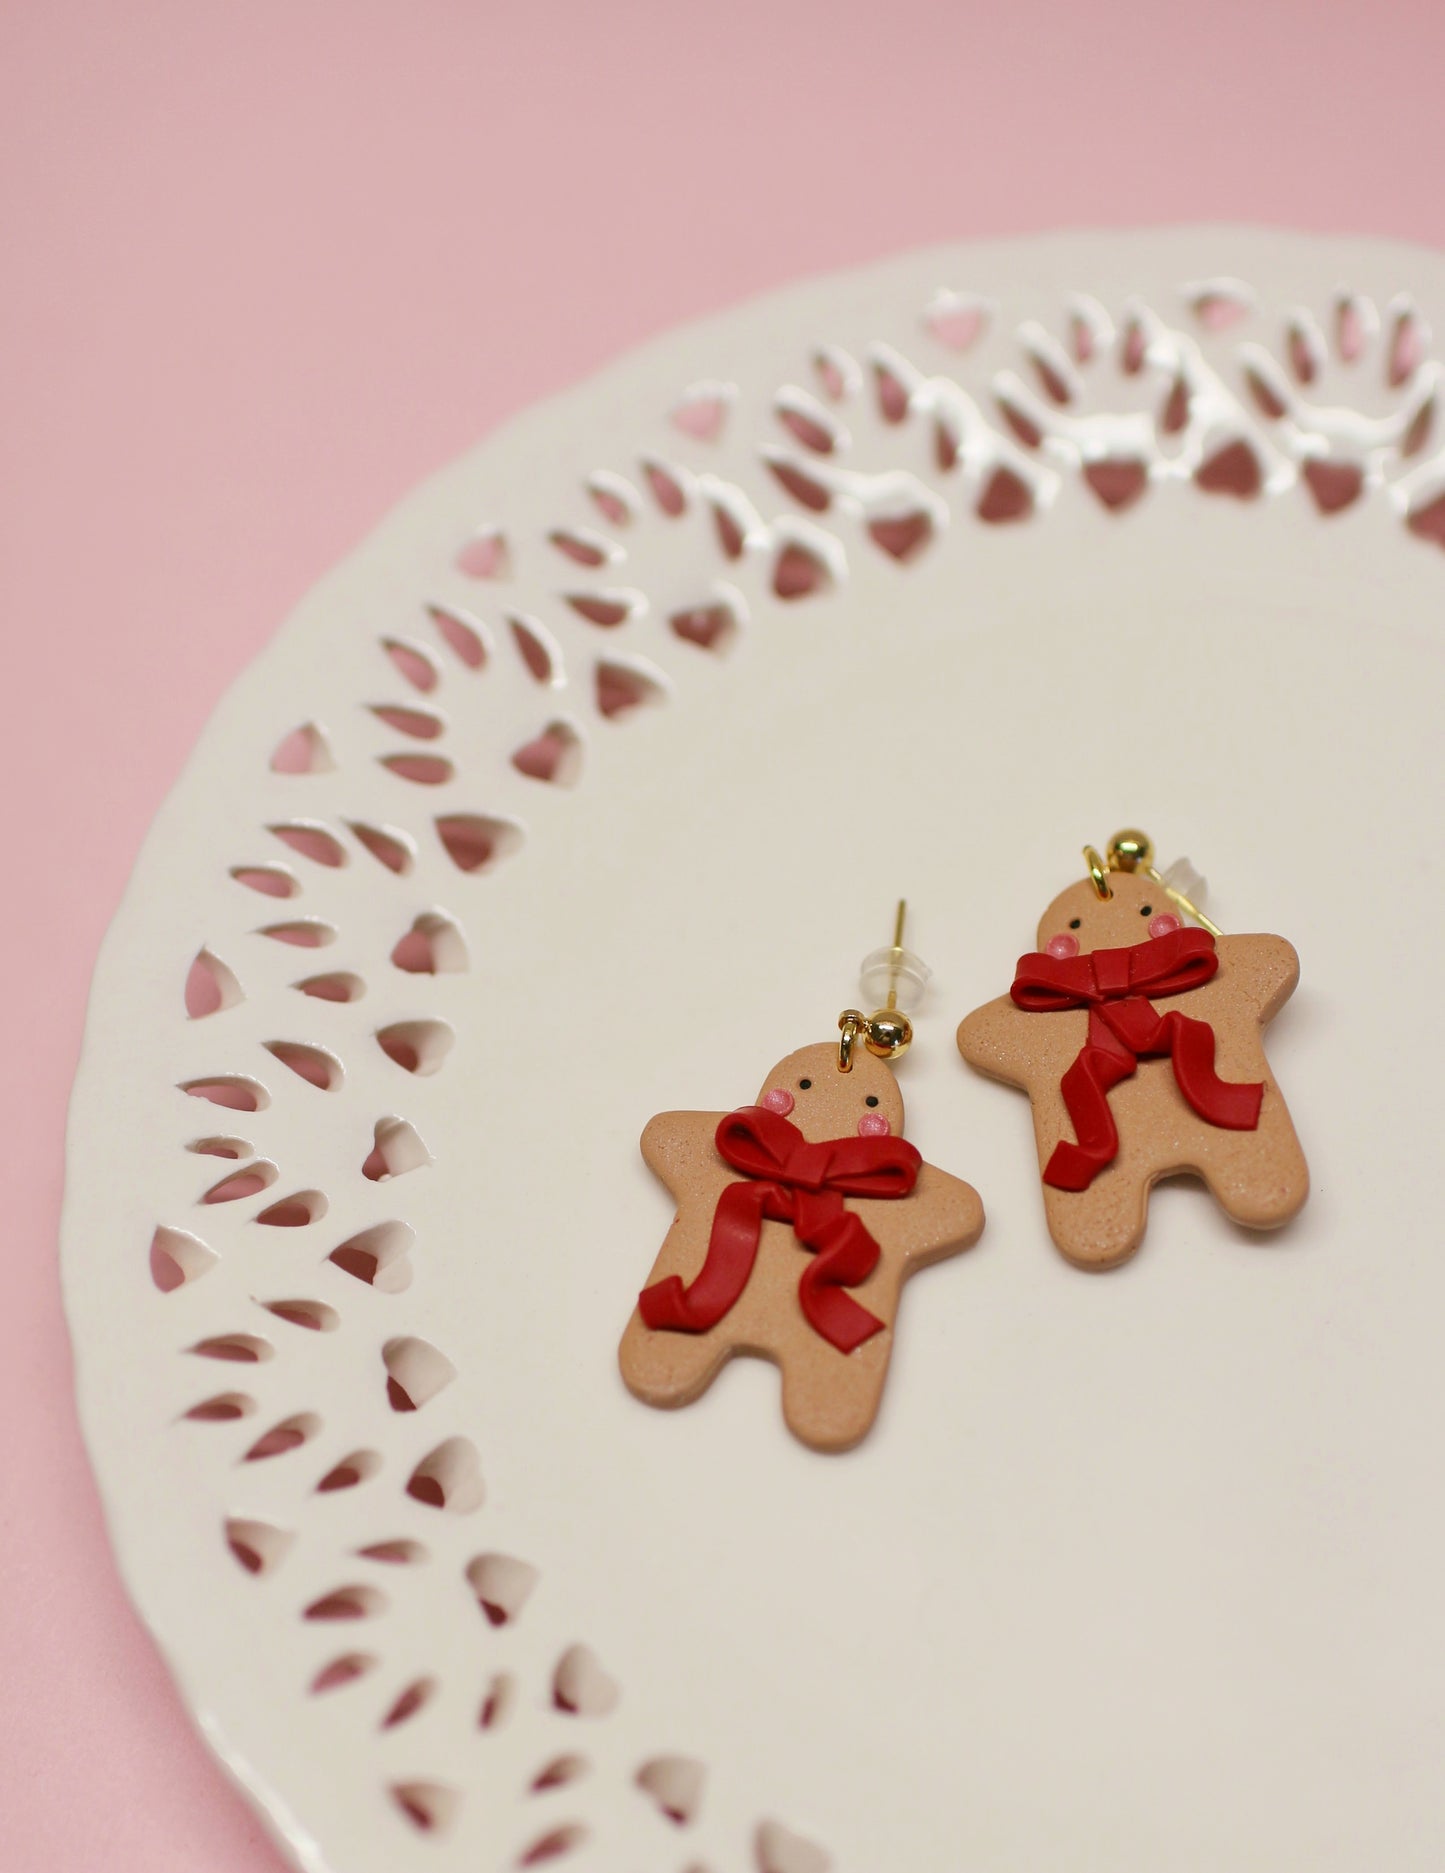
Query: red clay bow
<point x="1115" y="987"/>
<point x="799" y="1183"/>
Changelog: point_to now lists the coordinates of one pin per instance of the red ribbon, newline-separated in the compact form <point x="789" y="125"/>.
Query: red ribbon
<point x="799" y="1183"/>
<point x="1124" y="1026"/>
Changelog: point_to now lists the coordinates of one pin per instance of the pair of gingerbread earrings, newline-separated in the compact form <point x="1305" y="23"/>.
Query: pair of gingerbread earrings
<point x="1135" y="1029"/>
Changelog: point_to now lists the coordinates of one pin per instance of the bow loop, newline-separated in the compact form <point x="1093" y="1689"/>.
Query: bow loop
<point x="757" y="1142"/>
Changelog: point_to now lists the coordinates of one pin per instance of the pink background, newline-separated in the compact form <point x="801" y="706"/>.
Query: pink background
<point x="267" y="265"/>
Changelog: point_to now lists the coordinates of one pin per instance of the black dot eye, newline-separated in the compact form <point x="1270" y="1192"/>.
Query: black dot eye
<point x="871" y="1100"/>
<point x="1074" y="922"/>
<point x="803" y="1085"/>
<point x="1146" y="910"/>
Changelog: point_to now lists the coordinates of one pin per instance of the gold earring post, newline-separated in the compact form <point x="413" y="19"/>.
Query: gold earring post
<point x="887" y="1033"/>
<point x="892" y="1002"/>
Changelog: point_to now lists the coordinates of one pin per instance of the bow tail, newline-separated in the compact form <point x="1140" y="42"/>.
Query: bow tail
<point x="1085" y="1087"/>
<point x="732" y="1249"/>
<point x="1232" y="1104"/>
<point x="846" y="1254"/>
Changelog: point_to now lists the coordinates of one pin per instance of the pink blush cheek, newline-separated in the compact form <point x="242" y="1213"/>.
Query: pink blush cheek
<point x="873" y="1125"/>
<point x="1163" y="925"/>
<point x="777" y="1099"/>
<point x="1062" y="946"/>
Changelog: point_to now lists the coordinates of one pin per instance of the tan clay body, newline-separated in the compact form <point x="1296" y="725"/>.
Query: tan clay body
<point x="830" y="1398"/>
<point x="1258" y="1177"/>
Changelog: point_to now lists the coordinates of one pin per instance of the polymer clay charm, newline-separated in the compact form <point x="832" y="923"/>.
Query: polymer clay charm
<point x="799" y="1218"/>
<point x="1138" y="1038"/>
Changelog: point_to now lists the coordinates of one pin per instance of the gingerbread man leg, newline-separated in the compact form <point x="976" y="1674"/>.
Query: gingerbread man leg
<point x="1261" y="1179"/>
<point x="1103" y="1225"/>
<point x="830" y="1398"/>
<point x="669" y="1369"/>
<point x="844" y="1420"/>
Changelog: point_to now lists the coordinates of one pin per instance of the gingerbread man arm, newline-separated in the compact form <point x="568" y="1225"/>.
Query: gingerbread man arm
<point x="946" y="1216"/>
<point x="673" y="1143"/>
<point x="1009" y="1044"/>
<point x="1263" y="970"/>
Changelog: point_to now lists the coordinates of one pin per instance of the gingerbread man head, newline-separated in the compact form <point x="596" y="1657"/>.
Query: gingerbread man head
<point x="810" y="1091"/>
<point x="1079" y="921"/>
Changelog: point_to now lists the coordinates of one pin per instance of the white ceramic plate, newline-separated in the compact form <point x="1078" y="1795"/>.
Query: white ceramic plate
<point x="1136" y="1571"/>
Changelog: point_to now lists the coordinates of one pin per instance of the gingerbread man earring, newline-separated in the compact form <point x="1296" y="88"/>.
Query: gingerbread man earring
<point x="798" y="1220"/>
<point x="1138" y="1038"/>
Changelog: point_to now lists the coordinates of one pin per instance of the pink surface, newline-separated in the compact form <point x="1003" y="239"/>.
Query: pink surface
<point x="268" y="265"/>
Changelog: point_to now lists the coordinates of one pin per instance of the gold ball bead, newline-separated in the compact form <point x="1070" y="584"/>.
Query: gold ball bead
<point x="888" y="1034"/>
<point x="1130" y="849"/>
